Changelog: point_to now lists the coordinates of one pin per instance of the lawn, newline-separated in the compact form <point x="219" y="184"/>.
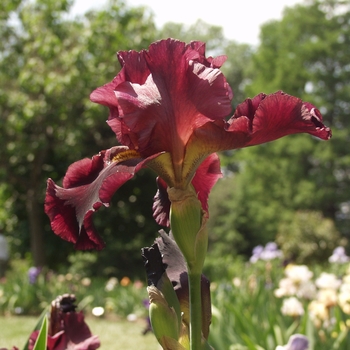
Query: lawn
<point x="113" y="334"/>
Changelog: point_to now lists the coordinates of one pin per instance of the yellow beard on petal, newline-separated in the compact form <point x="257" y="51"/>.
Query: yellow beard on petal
<point x="126" y="155"/>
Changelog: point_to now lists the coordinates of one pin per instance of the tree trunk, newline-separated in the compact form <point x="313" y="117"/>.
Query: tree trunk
<point x="34" y="212"/>
<point x="35" y="209"/>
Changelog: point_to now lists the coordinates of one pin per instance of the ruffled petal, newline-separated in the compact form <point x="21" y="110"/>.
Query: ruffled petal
<point x="88" y="184"/>
<point x="182" y="91"/>
<point x="277" y="115"/>
<point x="261" y="119"/>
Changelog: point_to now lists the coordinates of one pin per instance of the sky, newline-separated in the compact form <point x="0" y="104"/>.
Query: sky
<point x="240" y="20"/>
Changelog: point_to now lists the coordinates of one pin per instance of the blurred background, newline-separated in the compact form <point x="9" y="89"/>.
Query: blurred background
<point x="295" y="191"/>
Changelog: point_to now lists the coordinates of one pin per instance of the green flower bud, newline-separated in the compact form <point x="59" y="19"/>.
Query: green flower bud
<point x="163" y="318"/>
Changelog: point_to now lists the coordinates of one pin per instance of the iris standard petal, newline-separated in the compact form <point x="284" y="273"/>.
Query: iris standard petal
<point x="182" y="91"/>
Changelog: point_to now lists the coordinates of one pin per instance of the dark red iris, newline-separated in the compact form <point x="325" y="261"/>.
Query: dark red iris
<point x="168" y="108"/>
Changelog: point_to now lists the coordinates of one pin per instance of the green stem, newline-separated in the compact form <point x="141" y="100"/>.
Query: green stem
<point x="194" y="280"/>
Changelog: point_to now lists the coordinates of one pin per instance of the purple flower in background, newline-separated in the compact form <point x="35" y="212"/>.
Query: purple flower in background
<point x="339" y="256"/>
<point x="33" y="274"/>
<point x="148" y="327"/>
<point x="145" y="303"/>
<point x="296" y="342"/>
<point x="257" y="251"/>
<point x="269" y="252"/>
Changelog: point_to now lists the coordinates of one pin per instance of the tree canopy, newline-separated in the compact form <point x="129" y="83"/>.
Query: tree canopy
<point x="49" y="65"/>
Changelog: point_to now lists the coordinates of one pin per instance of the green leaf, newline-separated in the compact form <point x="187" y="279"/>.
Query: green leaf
<point x="250" y="344"/>
<point x="42" y="317"/>
<point x="339" y="340"/>
<point x="41" y="341"/>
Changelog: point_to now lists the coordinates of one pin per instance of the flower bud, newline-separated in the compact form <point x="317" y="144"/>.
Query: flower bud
<point x="163" y="318"/>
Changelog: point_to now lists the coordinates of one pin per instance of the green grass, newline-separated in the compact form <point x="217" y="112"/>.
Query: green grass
<point x="118" y="334"/>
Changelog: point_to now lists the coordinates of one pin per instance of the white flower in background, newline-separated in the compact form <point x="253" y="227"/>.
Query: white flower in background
<point x="296" y="342"/>
<point x="344" y="295"/>
<point x="292" y="307"/>
<point x="328" y="281"/>
<point x="328" y="297"/>
<point x="286" y="287"/>
<point x="298" y="283"/>
<point x="346" y="279"/>
<point x="298" y="273"/>
<point x="86" y="281"/>
<point x="131" y="317"/>
<point x="111" y="283"/>
<point x="318" y="312"/>
<point x="306" y="290"/>
<point x="237" y="282"/>
<point x="339" y="256"/>
<point x="98" y="311"/>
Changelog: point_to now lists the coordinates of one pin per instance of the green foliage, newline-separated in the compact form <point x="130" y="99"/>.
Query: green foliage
<point x="19" y="296"/>
<point x="308" y="237"/>
<point x="266" y="185"/>
<point x="297" y="57"/>
<point x="49" y="66"/>
<point x="250" y="203"/>
<point x="41" y="341"/>
<point x="246" y="312"/>
<point x="211" y="35"/>
<point x="247" y="315"/>
<point x="129" y="335"/>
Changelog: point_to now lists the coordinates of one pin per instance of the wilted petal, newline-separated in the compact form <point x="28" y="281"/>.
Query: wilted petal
<point x="166" y="256"/>
<point x="177" y="272"/>
<point x="88" y="185"/>
<point x="161" y="204"/>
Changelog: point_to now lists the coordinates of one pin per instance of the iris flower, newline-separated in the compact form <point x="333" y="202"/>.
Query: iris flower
<point x="170" y="108"/>
<point x="67" y="328"/>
